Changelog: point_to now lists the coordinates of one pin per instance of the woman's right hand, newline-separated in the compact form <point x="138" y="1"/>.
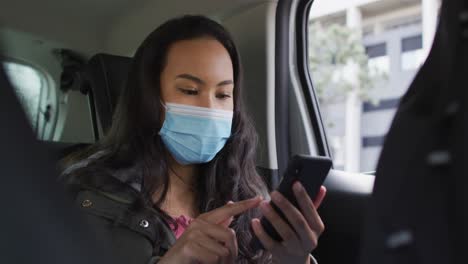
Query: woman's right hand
<point x="208" y="238"/>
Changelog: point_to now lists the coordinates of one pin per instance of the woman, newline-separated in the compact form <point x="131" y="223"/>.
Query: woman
<point x="174" y="181"/>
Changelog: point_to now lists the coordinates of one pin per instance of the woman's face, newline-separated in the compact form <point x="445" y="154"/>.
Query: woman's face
<point x="198" y="72"/>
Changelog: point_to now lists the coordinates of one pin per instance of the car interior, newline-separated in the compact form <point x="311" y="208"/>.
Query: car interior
<point x="80" y="53"/>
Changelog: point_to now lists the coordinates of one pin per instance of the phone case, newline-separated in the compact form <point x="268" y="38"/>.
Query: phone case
<point x="311" y="172"/>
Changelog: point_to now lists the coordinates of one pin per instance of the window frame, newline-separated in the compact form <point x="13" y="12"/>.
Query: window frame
<point x="288" y="11"/>
<point x="305" y="79"/>
<point x="282" y="81"/>
<point x="404" y="52"/>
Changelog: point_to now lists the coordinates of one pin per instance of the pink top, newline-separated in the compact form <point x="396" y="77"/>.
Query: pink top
<point x="182" y="224"/>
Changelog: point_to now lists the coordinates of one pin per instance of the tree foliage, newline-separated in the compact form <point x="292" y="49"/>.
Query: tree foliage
<point x="339" y="64"/>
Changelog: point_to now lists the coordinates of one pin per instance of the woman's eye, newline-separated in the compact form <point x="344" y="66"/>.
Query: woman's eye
<point x="188" y="91"/>
<point x="223" y="96"/>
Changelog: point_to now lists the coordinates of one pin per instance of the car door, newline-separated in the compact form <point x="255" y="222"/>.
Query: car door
<point x="341" y="68"/>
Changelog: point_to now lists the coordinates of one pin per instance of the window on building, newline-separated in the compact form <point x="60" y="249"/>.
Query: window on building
<point x="28" y="84"/>
<point x="412" y="55"/>
<point x="379" y="62"/>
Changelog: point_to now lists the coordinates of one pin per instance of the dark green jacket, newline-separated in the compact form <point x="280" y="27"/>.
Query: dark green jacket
<point x="132" y="234"/>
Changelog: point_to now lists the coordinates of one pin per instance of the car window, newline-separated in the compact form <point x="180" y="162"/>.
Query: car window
<point x="362" y="57"/>
<point x="29" y="85"/>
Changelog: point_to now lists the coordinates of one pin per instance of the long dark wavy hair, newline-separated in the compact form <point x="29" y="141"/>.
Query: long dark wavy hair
<point x="133" y="139"/>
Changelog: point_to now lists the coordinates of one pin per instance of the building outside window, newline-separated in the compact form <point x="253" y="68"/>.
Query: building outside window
<point x="360" y="78"/>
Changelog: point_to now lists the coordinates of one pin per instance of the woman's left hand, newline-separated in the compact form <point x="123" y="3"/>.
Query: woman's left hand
<point x="307" y="226"/>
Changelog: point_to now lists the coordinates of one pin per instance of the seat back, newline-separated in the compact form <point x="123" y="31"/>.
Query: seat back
<point x="419" y="208"/>
<point x="105" y="76"/>
<point x="31" y="186"/>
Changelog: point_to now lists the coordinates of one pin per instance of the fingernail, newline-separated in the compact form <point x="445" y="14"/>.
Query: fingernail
<point x="256" y="225"/>
<point x="230" y="202"/>
<point x="257" y="198"/>
<point x="255" y="221"/>
<point x="265" y="206"/>
<point x="298" y="186"/>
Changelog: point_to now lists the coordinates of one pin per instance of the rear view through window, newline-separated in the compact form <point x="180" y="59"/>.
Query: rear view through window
<point x="29" y="84"/>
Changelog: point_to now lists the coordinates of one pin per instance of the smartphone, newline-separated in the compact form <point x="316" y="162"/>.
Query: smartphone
<point x="311" y="173"/>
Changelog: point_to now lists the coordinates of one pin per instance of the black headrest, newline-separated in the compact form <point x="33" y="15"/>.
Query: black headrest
<point x="106" y="75"/>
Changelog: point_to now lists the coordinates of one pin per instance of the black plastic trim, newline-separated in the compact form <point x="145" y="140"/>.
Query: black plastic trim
<point x="282" y="83"/>
<point x="302" y="19"/>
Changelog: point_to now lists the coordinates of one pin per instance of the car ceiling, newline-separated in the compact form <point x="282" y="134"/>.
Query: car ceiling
<point x="91" y="25"/>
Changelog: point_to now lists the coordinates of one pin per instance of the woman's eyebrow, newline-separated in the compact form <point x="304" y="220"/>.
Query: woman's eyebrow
<point x="191" y="78"/>
<point x="200" y="81"/>
<point x="227" y="82"/>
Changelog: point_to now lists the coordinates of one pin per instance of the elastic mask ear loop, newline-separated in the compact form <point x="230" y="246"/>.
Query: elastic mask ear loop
<point x="163" y="104"/>
<point x="155" y="133"/>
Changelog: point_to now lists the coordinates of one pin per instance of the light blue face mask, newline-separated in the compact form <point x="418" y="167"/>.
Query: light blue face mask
<point x="195" y="134"/>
